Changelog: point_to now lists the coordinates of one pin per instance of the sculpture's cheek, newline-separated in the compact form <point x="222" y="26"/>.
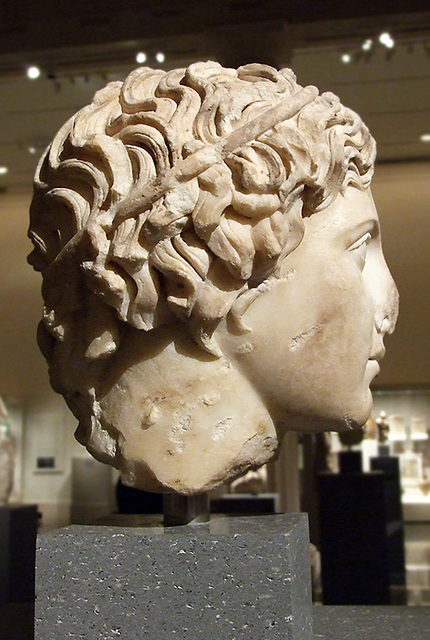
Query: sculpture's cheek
<point x="313" y="360"/>
<point x="312" y="332"/>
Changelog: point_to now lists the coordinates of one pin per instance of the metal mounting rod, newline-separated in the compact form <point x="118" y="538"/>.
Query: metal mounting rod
<point x="180" y="510"/>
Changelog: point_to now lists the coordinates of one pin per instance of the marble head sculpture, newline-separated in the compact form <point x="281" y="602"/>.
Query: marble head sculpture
<point x="212" y="270"/>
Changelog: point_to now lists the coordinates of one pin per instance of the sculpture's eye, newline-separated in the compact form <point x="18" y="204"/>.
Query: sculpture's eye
<point x="359" y="250"/>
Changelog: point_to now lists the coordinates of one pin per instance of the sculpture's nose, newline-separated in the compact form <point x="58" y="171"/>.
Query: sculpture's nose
<point x="387" y="306"/>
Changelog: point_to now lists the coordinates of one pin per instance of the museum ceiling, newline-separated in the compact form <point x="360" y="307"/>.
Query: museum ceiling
<point x="376" y="58"/>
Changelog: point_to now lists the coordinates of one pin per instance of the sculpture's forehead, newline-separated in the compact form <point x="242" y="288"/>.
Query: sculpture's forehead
<point x="348" y="212"/>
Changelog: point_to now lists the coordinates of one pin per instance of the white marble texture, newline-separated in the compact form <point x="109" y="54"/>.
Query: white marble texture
<point x="212" y="270"/>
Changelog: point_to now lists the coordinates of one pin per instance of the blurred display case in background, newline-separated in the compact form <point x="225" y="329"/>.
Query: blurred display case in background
<point x="407" y="414"/>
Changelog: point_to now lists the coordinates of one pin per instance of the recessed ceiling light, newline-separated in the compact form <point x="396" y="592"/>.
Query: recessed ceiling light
<point x="367" y="44"/>
<point x="386" y="39"/>
<point x="3" y="171"/>
<point x="425" y="137"/>
<point x="141" y="57"/>
<point x="346" y="58"/>
<point x="33" y="72"/>
<point x="160" y="57"/>
<point x="32" y="150"/>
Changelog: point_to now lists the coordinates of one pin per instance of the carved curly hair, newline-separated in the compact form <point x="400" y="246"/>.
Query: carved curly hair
<point x="180" y="192"/>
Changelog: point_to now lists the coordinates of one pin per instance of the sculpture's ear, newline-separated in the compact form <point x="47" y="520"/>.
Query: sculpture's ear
<point x="73" y="315"/>
<point x="101" y="333"/>
<point x="76" y="345"/>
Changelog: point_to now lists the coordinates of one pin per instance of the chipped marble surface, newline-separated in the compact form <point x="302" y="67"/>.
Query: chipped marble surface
<point x="212" y="271"/>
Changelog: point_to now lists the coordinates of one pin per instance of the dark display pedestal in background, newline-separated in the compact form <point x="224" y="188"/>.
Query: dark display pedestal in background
<point x="390" y="467"/>
<point x="235" y="577"/>
<point x="350" y="462"/>
<point x="18" y="530"/>
<point x="245" y="503"/>
<point x="353" y="541"/>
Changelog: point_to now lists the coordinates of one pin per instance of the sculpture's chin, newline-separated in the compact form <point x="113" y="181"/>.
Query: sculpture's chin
<point x="341" y="418"/>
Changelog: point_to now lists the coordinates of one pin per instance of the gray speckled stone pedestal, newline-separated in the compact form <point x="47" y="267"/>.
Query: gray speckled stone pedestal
<point x="231" y="579"/>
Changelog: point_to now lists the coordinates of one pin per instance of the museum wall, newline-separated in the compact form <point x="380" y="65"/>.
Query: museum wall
<point x="40" y="417"/>
<point x="402" y="194"/>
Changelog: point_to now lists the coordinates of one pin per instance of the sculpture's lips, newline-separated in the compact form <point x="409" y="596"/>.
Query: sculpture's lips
<point x="373" y="366"/>
<point x="373" y="362"/>
<point x="379" y="353"/>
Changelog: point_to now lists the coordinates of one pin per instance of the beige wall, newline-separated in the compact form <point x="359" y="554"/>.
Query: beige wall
<point x="402" y="194"/>
<point x="22" y="371"/>
<point x="48" y="425"/>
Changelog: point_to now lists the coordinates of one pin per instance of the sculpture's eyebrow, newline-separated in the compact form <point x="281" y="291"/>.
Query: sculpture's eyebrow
<point x="371" y="225"/>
